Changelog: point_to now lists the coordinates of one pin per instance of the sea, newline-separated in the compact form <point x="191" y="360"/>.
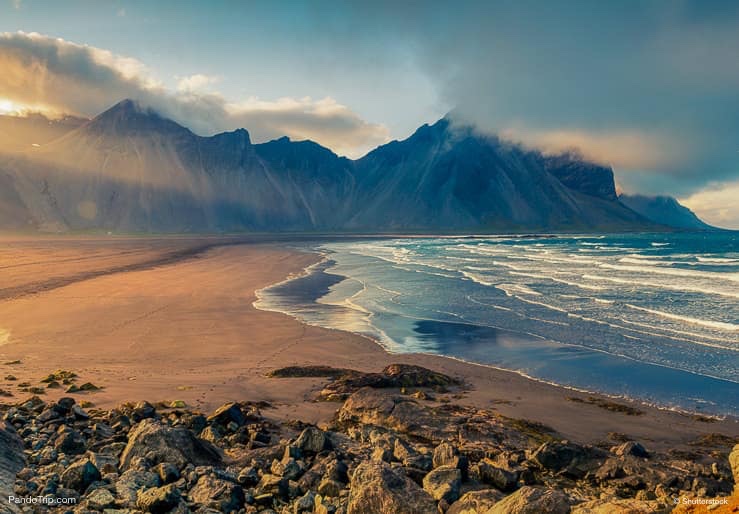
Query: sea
<point x="650" y="317"/>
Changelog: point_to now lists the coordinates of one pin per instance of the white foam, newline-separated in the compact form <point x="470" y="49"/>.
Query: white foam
<point x="720" y="325"/>
<point x="662" y="285"/>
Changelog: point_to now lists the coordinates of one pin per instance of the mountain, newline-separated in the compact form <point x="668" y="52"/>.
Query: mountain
<point x="451" y="177"/>
<point x="21" y="133"/>
<point x="132" y="170"/>
<point x="664" y="210"/>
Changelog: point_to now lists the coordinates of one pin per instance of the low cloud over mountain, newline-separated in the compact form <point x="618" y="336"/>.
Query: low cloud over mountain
<point x="53" y="75"/>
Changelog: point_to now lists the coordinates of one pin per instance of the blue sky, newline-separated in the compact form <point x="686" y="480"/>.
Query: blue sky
<point x="648" y="87"/>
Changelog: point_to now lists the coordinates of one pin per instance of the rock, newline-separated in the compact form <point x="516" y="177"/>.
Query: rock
<point x="100" y="499"/>
<point x="305" y="503"/>
<point x="80" y="475"/>
<point x="734" y="463"/>
<point x="497" y="477"/>
<point x="330" y="488"/>
<point x="248" y="477"/>
<point x="167" y="472"/>
<point x="312" y="440"/>
<point x="218" y="494"/>
<point x="272" y="485"/>
<point x="130" y="482"/>
<point x="625" y="506"/>
<point x="533" y="500"/>
<point x="443" y="483"/>
<point x="71" y="443"/>
<point x="287" y="468"/>
<point x="556" y="456"/>
<point x="211" y="434"/>
<point x="64" y="405"/>
<point x="225" y="414"/>
<point x="160" y="443"/>
<point x="12" y="459"/>
<point x="105" y="463"/>
<point x="158" y="500"/>
<point x="475" y="502"/>
<point x="381" y="454"/>
<point x="79" y="413"/>
<point x="377" y="488"/>
<point x="447" y="455"/>
<point x="631" y="448"/>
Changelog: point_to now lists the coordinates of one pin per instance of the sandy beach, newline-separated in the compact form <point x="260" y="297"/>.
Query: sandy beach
<point x="172" y="319"/>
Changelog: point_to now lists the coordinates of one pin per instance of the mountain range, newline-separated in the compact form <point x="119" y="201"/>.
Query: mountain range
<point x="132" y="170"/>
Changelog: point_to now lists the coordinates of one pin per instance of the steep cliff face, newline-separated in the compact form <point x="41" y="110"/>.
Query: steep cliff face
<point x="580" y="175"/>
<point x="131" y="170"/>
<point x="664" y="210"/>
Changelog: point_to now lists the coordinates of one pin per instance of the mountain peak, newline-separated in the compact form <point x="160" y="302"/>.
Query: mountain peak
<point x="130" y="117"/>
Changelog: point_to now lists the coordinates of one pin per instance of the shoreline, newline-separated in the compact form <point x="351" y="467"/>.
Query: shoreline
<point x="187" y="330"/>
<point x="324" y="257"/>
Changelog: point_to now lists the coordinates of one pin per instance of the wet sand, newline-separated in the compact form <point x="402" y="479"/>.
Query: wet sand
<point x="172" y="319"/>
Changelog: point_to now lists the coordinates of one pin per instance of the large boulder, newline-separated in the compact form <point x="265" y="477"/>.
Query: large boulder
<point x="533" y="500"/>
<point x="376" y="488"/>
<point x="160" y="443"/>
<point x="370" y="406"/>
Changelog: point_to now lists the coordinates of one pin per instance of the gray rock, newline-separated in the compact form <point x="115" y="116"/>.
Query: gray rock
<point x="734" y="463"/>
<point x="176" y="445"/>
<point x="497" y="477"/>
<point x="330" y="488"/>
<point x="312" y="440"/>
<point x="100" y="499"/>
<point x="377" y="488"/>
<point x="71" y="443"/>
<point x="130" y="482"/>
<point x="80" y="475"/>
<point x="443" y="483"/>
<point x="12" y="458"/>
<point x="475" y="502"/>
<point x="305" y="503"/>
<point x="533" y="500"/>
<point x="217" y="494"/>
<point x="631" y="448"/>
<point x="105" y="462"/>
<point x="167" y="472"/>
<point x="225" y="414"/>
<point x="158" y="500"/>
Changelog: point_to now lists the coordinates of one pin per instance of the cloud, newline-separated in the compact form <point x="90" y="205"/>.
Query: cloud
<point x="197" y="82"/>
<point x="716" y="205"/>
<point x="621" y="149"/>
<point x="650" y="86"/>
<point x="60" y="77"/>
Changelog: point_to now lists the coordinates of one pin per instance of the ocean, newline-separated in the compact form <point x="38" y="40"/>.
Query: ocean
<point x="651" y="317"/>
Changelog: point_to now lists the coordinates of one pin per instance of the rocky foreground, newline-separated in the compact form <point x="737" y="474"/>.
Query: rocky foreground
<point x="398" y="444"/>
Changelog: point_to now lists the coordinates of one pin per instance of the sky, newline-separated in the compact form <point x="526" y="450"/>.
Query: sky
<point x="648" y="87"/>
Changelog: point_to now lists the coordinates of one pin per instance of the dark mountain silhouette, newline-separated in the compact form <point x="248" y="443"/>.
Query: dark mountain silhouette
<point x="664" y="210"/>
<point x="132" y="170"/>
